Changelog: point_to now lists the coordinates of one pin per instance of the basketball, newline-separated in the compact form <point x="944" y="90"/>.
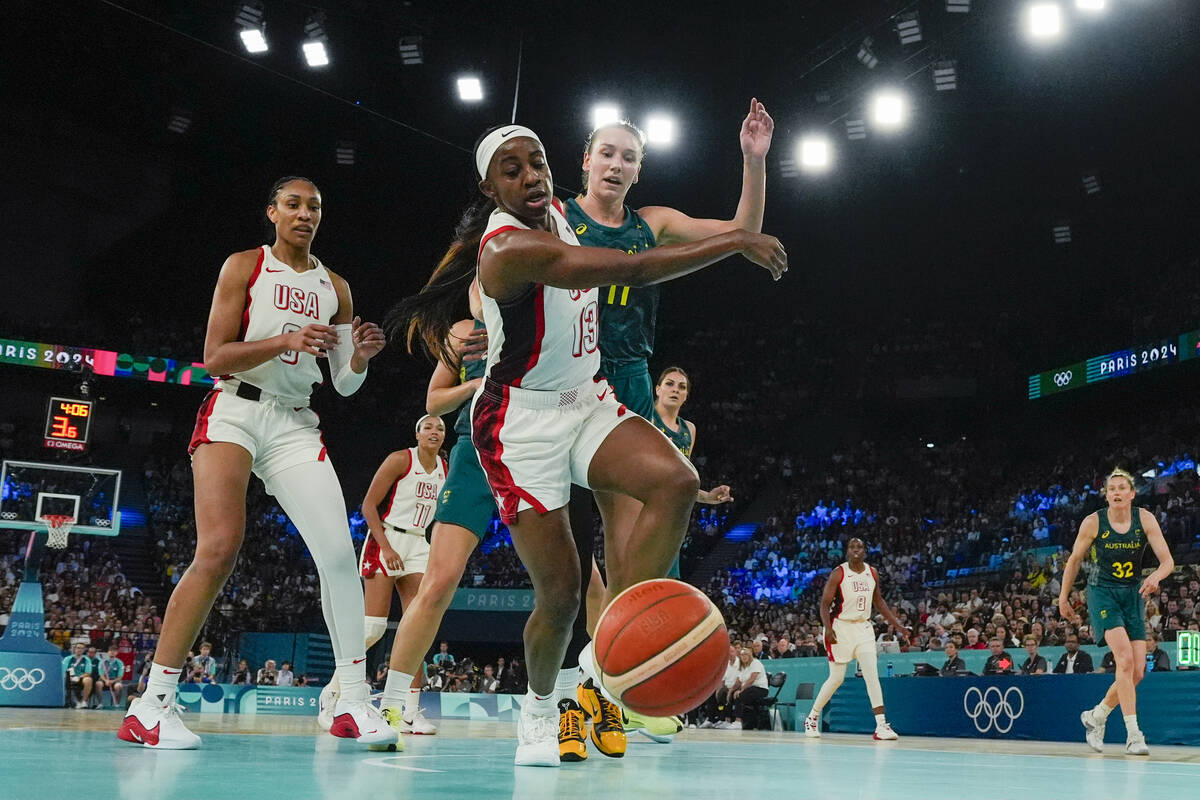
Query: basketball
<point x="661" y="647"/>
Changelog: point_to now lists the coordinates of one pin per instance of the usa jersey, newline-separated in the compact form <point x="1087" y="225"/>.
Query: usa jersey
<point x="855" y="594"/>
<point x="413" y="499"/>
<point x="281" y="300"/>
<point x="547" y="338"/>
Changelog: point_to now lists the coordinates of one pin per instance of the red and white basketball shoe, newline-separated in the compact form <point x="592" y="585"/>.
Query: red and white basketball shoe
<point x="358" y="719"/>
<point x="160" y="727"/>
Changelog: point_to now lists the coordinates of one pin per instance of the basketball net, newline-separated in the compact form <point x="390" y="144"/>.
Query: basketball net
<point x="58" y="528"/>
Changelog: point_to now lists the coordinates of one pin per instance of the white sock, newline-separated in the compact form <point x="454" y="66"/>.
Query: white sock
<point x="565" y="683"/>
<point x="1101" y="711"/>
<point x="587" y="663"/>
<point x="540" y="706"/>
<point x="351" y="674"/>
<point x="1131" y="727"/>
<point x="160" y="688"/>
<point x="412" y="702"/>
<point x="880" y="721"/>
<point x="395" y="690"/>
<point x="814" y="714"/>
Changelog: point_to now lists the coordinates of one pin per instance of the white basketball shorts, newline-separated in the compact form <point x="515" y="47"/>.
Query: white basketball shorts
<point x="409" y="545"/>
<point x="855" y="641"/>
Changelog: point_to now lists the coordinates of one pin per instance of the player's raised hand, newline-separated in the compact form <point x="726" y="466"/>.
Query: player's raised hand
<point x="313" y="339"/>
<point x="716" y="496"/>
<point x="368" y="338"/>
<point x="472" y="347"/>
<point x="765" y="251"/>
<point x="757" y="130"/>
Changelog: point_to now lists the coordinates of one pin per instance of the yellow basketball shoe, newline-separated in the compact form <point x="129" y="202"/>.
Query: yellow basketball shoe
<point x="608" y="721"/>
<point x="571" y="744"/>
<point x="658" y="729"/>
<point x="395" y="720"/>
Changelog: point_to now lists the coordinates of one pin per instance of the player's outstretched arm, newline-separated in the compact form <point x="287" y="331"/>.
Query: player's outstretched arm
<point x="670" y="225"/>
<point x="1158" y="543"/>
<point x="512" y="260"/>
<point x="445" y="393"/>
<point x="1087" y="534"/>
<point x="390" y="471"/>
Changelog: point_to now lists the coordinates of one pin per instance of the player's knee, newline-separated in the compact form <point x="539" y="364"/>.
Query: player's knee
<point x="683" y="483"/>
<point x="215" y="561"/>
<point x="437" y="589"/>
<point x="560" y="603"/>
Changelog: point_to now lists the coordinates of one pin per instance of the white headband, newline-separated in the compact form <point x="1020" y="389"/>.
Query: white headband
<point x="491" y="143"/>
<point x="422" y="419"/>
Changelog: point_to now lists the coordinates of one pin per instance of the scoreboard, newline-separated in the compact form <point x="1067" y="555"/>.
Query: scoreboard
<point x="68" y="422"/>
<point x="1117" y="364"/>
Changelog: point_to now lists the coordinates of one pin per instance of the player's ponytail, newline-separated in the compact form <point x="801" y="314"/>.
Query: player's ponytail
<point x="427" y="316"/>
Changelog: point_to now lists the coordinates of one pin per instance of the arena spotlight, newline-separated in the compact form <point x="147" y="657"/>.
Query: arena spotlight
<point x="866" y="55"/>
<point x="889" y="109"/>
<point x="1091" y="182"/>
<point x="605" y="114"/>
<point x="856" y="128"/>
<point x="345" y="153"/>
<point x="908" y="27"/>
<point x="958" y="6"/>
<point x="814" y="152"/>
<point x="1044" y="21"/>
<point x="1091" y="5"/>
<point x="249" y="19"/>
<point x="180" y="120"/>
<point x="314" y="45"/>
<point x="660" y="129"/>
<point x="410" y="51"/>
<point x="470" y="89"/>
<point x="1062" y="233"/>
<point x="945" y="76"/>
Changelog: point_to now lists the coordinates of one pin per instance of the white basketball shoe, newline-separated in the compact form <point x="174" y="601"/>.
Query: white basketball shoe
<point x="884" y="733"/>
<point x="359" y="720"/>
<point x="1093" y="730"/>
<point x="537" y="739"/>
<point x="417" y="724"/>
<point x="812" y="727"/>
<point x="326" y="704"/>
<point x="160" y="727"/>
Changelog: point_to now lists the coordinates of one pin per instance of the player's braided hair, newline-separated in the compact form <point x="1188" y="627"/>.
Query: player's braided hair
<point x="624" y="124"/>
<point x="428" y="315"/>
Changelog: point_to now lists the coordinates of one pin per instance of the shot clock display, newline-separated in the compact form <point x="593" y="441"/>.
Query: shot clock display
<point x="68" y="422"/>
<point x="1188" y="653"/>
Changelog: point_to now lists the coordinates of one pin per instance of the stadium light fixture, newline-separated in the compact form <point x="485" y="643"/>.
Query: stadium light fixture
<point x="945" y="76"/>
<point x="889" y="109"/>
<point x="1091" y="182"/>
<point x="470" y="89"/>
<point x="1062" y="233"/>
<point x="866" y="53"/>
<point x="856" y="128"/>
<point x="179" y="121"/>
<point x="410" y="51"/>
<point x="660" y="129"/>
<point x="814" y="153"/>
<point x="958" y="6"/>
<point x="1095" y="6"/>
<point x="605" y="114"/>
<point x="788" y="168"/>
<point x="1044" y="21"/>
<point x="250" y="21"/>
<point x="345" y="153"/>
<point x="314" y="45"/>
<point x="908" y="27"/>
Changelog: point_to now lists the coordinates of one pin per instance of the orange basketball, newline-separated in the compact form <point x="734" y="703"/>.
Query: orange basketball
<point x="661" y="647"/>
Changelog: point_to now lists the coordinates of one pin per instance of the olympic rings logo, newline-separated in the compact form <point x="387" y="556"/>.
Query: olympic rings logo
<point x="20" y="678"/>
<point x="1061" y="379"/>
<point x="990" y="709"/>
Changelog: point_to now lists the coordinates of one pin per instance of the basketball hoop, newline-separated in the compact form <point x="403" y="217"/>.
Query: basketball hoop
<point x="58" y="526"/>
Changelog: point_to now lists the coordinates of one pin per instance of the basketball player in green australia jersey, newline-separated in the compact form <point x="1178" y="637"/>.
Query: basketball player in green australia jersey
<point x="612" y="162"/>
<point x="1114" y="540"/>
<point x="670" y="393"/>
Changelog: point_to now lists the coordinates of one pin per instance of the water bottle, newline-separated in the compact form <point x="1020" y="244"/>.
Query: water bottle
<point x="890" y="669"/>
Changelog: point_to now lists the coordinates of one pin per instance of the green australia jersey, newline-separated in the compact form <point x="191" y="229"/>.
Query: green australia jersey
<point x="627" y="314"/>
<point x="468" y="371"/>
<point x="682" y="438"/>
<point x="1118" y="556"/>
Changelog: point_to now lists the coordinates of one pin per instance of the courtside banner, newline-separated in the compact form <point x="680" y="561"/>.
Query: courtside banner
<point x="492" y="600"/>
<point x="32" y="679"/>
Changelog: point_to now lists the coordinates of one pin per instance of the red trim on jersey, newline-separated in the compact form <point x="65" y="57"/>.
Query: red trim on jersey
<point x="445" y="466"/>
<point x="262" y="253"/>
<point x="200" y="432"/>
<point x="838" y="600"/>
<point x="390" y="503"/>
<point x="558" y="205"/>
<point x="486" y="423"/>
<point x="539" y="331"/>
<point x="490" y="234"/>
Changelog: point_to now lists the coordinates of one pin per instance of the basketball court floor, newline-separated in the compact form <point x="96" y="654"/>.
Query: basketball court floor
<point x="67" y="753"/>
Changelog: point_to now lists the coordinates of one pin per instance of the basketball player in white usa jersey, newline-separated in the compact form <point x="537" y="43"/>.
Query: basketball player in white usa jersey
<point x="275" y="311"/>
<point x="399" y="509"/>
<point x="541" y="420"/>
<point x="852" y="591"/>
